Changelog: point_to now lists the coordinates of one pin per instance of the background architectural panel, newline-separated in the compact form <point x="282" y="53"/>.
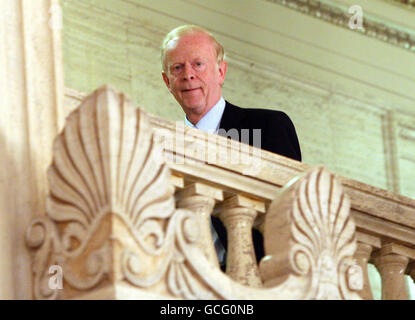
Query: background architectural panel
<point x="406" y="153"/>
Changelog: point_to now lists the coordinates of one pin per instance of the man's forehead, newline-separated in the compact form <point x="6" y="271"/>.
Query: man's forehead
<point x="189" y="40"/>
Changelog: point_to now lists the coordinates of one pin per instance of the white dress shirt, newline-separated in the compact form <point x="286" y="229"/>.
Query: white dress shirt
<point x="210" y="123"/>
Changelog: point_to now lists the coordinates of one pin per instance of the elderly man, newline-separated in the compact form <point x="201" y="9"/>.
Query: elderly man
<point x="194" y="71"/>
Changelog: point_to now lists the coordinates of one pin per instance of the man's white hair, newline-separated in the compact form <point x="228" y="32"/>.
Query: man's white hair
<point x="181" y="31"/>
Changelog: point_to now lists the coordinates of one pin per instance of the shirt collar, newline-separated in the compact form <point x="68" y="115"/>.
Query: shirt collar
<point x="210" y="121"/>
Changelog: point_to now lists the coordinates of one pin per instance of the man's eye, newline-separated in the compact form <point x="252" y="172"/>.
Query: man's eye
<point x="176" y="68"/>
<point x="199" y="65"/>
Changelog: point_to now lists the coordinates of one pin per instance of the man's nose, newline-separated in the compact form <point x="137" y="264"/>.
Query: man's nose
<point x="188" y="72"/>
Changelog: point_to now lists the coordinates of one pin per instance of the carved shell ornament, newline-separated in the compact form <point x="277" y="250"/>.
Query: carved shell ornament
<point x="104" y="165"/>
<point x="111" y="218"/>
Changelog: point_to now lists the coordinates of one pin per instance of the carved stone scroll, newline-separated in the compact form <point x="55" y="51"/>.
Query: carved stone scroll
<point x="111" y="224"/>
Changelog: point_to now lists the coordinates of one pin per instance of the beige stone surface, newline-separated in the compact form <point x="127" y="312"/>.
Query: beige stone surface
<point x="362" y="256"/>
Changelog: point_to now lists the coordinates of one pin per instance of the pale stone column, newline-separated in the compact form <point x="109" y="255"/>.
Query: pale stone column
<point x="362" y="256"/>
<point x="201" y="199"/>
<point x="241" y="262"/>
<point x="391" y="268"/>
<point x="31" y="95"/>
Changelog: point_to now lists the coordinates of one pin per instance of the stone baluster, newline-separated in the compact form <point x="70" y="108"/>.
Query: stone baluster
<point x="238" y="214"/>
<point x="201" y="198"/>
<point x="391" y="267"/>
<point x="362" y="256"/>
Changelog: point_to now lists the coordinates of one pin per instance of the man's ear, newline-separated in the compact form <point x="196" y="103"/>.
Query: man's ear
<point x="166" y="80"/>
<point x="223" y="66"/>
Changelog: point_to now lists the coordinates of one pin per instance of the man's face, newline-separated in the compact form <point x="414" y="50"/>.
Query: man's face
<point x="192" y="75"/>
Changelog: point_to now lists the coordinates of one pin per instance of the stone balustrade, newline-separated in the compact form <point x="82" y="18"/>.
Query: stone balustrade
<point x="128" y="217"/>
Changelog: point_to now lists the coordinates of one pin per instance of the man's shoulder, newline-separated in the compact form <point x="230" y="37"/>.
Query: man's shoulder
<point x="254" y="114"/>
<point x="278" y="134"/>
<point x="268" y="113"/>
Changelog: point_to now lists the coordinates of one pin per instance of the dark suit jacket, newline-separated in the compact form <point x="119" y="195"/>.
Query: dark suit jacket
<point x="277" y="135"/>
